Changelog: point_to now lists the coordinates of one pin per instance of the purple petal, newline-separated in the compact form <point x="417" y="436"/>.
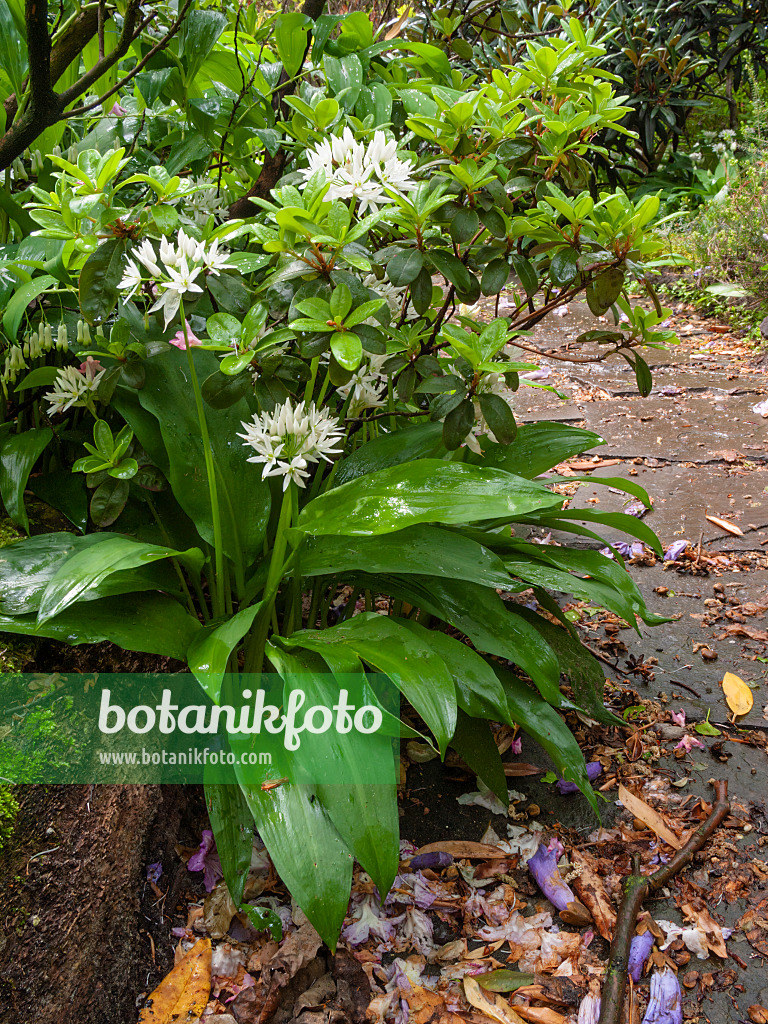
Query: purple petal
<point x="434" y="860"/>
<point x="543" y="867"/>
<point x="589" y="1010"/>
<point x="206" y="859"/>
<point x="674" y="551"/>
<point x="636" y="509"/>
<point x="639" y="951"/>
<point x="665" y="1006"/>
<point x="154" y="871"/>
<point x="593" y="770"/>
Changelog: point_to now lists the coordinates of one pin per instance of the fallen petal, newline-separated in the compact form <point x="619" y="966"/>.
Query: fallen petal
<point x="639" y="951"/>
<point x="665" y="1006"/>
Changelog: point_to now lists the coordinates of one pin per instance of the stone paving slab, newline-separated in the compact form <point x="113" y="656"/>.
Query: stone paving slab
<point x="682" y="429"/>
<point x="613" y="379"/>
<point x="537" y="404"/>
<point x="682" y="496"/>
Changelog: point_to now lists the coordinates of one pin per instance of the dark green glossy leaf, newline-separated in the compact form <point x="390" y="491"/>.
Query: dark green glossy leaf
<point x="473" y="741"/>
<point x="99" y="279"/>
<point x="220" y="391"/>
<point x="499" y="417"/>
<point x="18" y="455"/>
<point x="417" y="549"/>
<point x="108" y="501"/>
<point x="150" y="623"/>
<point x="452" y="269"/>
<point x="212" y="646"/>
<point x="394" y="650"/>
<point x="412" y="443"/>
<point x="421" y="291"/>
<point x="564" y="266"/>
<point x="604" y="290"/>
<point x="244" y="499"/>
<point x="538" y="447"/>
<point x="495" y="277"/>
<point x="405" y="267"/>
<point x="458" y="422"/>
<point x="309" y="855"/>
<point x="65" y="492"/>
<point x="464" y="224"/>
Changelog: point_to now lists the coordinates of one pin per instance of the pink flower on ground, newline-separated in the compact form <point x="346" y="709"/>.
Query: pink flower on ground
<point x="678" y="717"/>
<point x="516" y="746"/>
<point x="178" y="338"/>
<point x="688" y="742"/>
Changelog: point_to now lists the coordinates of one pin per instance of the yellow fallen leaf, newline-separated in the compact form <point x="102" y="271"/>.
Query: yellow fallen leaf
<point x="489" y="1003"/>
<point x="737" y="693"/>
<point x="725" y="525"/>
<point x="640" y="809"/>
<point x="183" y="994"/>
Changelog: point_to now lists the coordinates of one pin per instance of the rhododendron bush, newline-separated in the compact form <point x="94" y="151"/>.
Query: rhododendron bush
<point x="280" y="433"/>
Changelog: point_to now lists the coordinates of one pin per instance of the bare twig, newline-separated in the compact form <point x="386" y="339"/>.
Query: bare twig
<point x="636" y="889"/>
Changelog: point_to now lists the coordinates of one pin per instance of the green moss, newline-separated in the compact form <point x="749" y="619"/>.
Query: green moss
<point x="9" y="808"/>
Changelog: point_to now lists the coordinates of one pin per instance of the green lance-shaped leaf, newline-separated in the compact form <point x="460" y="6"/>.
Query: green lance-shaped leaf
<point x="18" y="455"/>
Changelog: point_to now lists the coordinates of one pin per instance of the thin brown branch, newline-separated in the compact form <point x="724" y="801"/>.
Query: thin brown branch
<point x="159" y="45"/>
<point x="636" y="889"/>
<point x="131" y="28"/>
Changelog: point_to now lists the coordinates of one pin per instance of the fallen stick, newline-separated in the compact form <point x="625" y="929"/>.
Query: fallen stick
<point x="636" y="889"/>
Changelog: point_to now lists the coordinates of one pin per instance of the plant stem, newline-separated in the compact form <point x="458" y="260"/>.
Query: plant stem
<point x="254" y="650"/>
<point x="218" y="545"/>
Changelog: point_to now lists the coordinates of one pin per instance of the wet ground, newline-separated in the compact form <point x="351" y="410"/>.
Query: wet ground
<point x="696" y="445"/>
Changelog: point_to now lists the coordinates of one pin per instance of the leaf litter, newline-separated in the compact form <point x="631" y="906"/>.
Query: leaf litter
<point x="512" y="925"/>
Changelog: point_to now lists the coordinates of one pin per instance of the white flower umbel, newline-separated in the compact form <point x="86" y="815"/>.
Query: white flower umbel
<point x="289" y="438"/>
<point x="201" y="201"/>
<point x="357" y="171"/>
<point x="73" y="388"/>
<point x="174" y="272"/>
<point x="367" y="386"/>
<point x="182" y="281"/>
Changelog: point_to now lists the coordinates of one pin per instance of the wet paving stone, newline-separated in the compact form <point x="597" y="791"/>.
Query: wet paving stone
<point x="682" y="496"/>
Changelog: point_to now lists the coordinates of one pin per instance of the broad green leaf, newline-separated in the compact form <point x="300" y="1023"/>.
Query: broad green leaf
<point x="604" y="290"/>
<point x="199" y="32"/>
<point x="418" y="549"/>
<point x="538" y="447"/>
<point x="564" y="266"/>
<point x="99" y="279"/>
<point x="22" y="297"/>
<point x="244" y="499"/>
<point x="422" y="492"/>
<point x="290" y="35"/>
<point x="420" y="674"/>
<point x="583" y="671"/>
<point x="18" y="455"/>
<point x="65" y="492"/>
<point x="149" y="623"/>
<point x="345" y="78"/>
<point x="309" y="855"/>
<point x="26" y="569"/>
<point x="40" y="377"/>
<point x="86" y="569"/>
<point x="364" y="813"/>
<point x="452" y="269"/>
<point x="108" y="501"/>
<point x="347" y="349"/>
<point x="499" y="417"/>
<point x="418" y="442"/>
<point x="211" y="647"/>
